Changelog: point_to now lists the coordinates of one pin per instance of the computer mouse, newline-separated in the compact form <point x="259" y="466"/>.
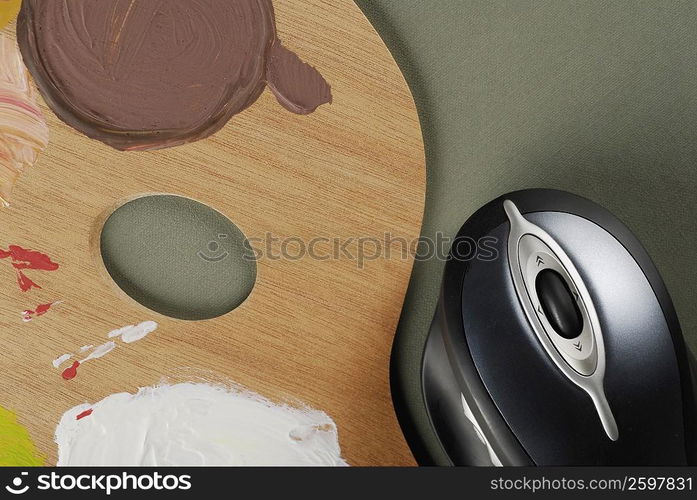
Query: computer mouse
<point x="558" y="345"/>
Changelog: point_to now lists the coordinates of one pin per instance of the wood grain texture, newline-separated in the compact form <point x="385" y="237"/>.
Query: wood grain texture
<point x="318" y="331"/>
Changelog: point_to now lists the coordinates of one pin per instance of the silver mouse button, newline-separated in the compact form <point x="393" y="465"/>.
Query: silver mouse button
<point x="560" y="309"/>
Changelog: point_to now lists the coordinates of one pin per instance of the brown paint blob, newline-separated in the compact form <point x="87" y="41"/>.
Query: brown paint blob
<point x="299" y="87"/>
<point x="148" y="74"/>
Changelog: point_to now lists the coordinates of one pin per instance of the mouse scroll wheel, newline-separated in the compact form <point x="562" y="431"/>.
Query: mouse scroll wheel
<point x="559" y="304"/>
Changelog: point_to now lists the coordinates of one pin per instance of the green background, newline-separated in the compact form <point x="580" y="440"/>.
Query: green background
<point x="594" y="97"/>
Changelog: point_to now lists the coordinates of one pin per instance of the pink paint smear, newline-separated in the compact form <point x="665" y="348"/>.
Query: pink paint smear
<point x="40" y="310"/>
<point x="23" y="259"/>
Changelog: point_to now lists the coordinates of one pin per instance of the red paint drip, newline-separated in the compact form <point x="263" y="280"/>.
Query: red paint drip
<point x="69" y="373"/>
<point x="84" y="414"/>
<point x="22" y="259"/>
<point x="41" y="309"/>
<point x="25" y="284"/>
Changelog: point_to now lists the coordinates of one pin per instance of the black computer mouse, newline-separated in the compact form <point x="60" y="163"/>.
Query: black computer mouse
<point x="558" y="345"/>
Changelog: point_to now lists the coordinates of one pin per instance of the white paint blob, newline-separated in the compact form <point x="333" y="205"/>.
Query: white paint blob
<point x="195" y="424"/>
<point x="132" y="333"/>
<point x="100" y="350"/>
<point x="61" y="359"/>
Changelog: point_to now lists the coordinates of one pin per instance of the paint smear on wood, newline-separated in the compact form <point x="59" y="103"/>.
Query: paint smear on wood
<point x="100" y="350"/>
<point x="16" y="447"/>
<point x="23" y="259"/>
<point x="194" y="424"/>
<point x="127" y="334"/>
<point x="23" y="129"/>
<point x="40" y="310"/>
<point x="298" y="86"/>
<point x="61" y="359"/>
<point x="71" y="372"/>
<point x="133" y="333"/>
<point x="101" y="69"/>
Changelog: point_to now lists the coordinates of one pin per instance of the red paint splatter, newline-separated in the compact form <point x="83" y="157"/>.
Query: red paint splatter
<point x="69" y="373"/>
<point x="40" y="310"/>
<point x="27" y="259"/>
<point x="84" y="414"/>
<point x="25" y="284"/>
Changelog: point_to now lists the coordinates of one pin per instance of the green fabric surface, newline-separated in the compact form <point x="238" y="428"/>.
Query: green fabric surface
<point x="178" y="257"/>
<point x="594" y="97"/>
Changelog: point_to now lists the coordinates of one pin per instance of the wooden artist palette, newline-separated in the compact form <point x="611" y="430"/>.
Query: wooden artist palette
<point x="317" y="331"/>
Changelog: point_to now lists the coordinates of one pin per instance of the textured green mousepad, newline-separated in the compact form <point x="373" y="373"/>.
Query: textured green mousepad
<point x="594" y="97"/>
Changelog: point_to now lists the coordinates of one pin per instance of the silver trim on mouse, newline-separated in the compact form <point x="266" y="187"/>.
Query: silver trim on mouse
<point x="582" y="359"/>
